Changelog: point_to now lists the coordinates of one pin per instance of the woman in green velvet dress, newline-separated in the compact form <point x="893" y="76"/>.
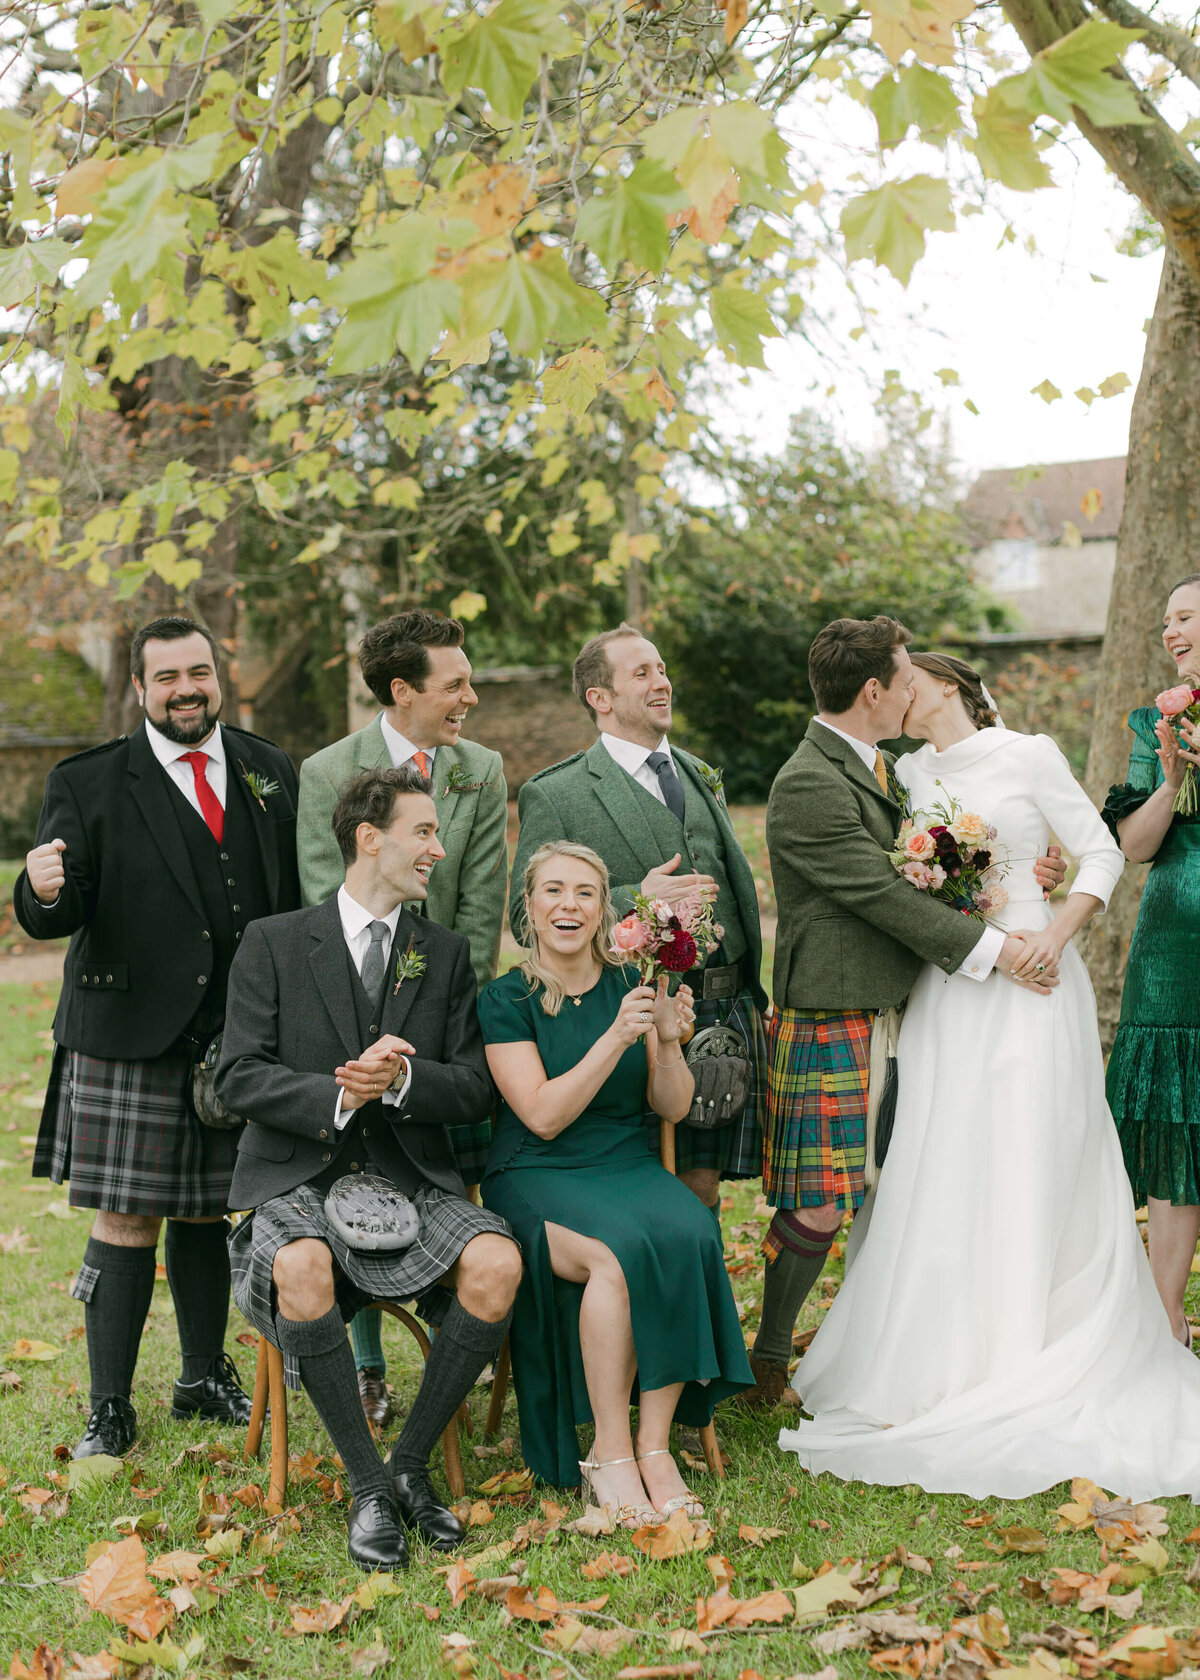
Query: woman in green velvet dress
<point x="1154" y="1069"/>
<point x="625" y="1276"/>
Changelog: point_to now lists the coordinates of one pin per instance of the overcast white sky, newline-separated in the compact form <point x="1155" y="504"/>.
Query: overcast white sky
<point x="1003" y="318"/>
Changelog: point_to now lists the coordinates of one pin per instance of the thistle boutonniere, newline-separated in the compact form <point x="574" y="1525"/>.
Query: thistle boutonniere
<point x="714" y="779"/>
<point x="262" y="787"/>
<point x="409" y="966"/>
<point x="457" y="782"/>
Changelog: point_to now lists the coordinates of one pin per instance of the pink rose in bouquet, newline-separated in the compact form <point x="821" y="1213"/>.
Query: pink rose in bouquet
<point x="1182" y="704"/>
<point x="1172" y="701"/>
<point x="920" y="845"/>
<point x="631" y="935"/>
<point x="665" y="938"/>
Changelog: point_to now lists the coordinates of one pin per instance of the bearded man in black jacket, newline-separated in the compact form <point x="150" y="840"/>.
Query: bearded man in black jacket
<point x="154" y="853"/>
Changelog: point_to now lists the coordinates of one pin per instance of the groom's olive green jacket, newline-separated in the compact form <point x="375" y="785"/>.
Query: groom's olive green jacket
<point x="467" y="886"/>
<point x="853" y="934"/>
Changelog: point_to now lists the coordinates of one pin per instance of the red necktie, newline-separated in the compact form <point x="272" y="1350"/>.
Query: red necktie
<point x="421" y="760"/>
<point x="210" y="805"/>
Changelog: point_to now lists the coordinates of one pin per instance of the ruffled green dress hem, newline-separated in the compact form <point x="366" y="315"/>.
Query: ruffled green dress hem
<point x="1154" y="1095"/>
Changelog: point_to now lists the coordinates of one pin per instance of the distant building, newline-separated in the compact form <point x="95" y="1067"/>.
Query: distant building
<point x="1045" y="539"/>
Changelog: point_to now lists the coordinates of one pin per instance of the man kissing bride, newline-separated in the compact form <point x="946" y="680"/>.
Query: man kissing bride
<point x="998" y="1330"/>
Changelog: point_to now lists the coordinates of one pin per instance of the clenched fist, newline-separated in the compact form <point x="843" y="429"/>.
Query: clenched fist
<point x="44" y="866"/>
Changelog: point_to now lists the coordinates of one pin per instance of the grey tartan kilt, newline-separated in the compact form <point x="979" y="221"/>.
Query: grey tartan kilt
<point x="448" y="1224"/>
<point x="124" y="1135"/>
<point x="737" y="1150"/>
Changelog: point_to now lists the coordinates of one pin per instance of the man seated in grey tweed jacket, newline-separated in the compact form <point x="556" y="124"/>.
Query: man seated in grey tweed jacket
<point x="351" y="1043"/>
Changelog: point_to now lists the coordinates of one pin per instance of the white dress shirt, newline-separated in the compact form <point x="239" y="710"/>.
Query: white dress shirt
<point x="633" y="758"/>
<point x="170" y="755"/>
<point x="982" y="959"/>
<point x="400" y="748"/>
<point x="355" y="925"/>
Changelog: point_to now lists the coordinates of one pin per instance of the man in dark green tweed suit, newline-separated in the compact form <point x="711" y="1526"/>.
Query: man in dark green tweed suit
<point x="853" y="936"/>
<point x="657" y="817"/>
<point x="415" y="666"/>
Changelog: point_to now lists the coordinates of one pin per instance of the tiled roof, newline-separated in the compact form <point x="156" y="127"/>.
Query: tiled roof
<point x="1037" y="501"/>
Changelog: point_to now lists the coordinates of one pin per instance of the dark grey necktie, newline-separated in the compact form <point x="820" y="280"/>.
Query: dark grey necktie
<point x="375" y="961"/>
<point x="668" y="780"/>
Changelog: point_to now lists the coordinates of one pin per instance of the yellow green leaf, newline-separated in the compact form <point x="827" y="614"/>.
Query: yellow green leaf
<point x="500" y="53"/>
<point x="890" y="223"/>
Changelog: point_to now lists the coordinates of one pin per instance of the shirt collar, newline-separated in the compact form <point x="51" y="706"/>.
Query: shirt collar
<point x="169" y="752"/>
<point x="629" y="755"/>
<point x="865" y="752"/>
<point x="355" y="919"/>
<point x="400" y="748"/>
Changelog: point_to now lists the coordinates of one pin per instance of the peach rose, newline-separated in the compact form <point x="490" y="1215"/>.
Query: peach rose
<point x="919" y="846"/>
<point x="969" y="829"/>
<point x="1172" y="701"/>
<point x="631" y="934"/>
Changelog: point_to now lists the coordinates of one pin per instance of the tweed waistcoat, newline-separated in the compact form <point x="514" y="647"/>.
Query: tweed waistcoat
<point x="704" y="853"/>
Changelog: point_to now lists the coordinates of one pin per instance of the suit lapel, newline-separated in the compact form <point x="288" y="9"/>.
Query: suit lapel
<point x="371" y="748"/>
<point x="399" y="999"/>
<point x="153" y="800"/>
<point x="620" y="796"/>
<point x="330" y="964"/>
<point x="842" y="753"/>
<point x="238" y="765"/>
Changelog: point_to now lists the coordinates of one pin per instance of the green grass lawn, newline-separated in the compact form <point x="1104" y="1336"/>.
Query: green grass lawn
<point x="186" y="1490"/>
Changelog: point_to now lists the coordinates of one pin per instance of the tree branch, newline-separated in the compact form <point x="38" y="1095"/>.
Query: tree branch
<point x="1163" y="38"/>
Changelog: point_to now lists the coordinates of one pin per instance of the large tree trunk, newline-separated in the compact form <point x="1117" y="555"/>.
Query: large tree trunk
<point x="1157" y="545"/>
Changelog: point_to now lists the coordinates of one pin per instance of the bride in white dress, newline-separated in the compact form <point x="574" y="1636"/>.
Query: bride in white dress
<point x="999" y="1330"/>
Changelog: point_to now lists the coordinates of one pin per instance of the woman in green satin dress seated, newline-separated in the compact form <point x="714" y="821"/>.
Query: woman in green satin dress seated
<point x="1154" y="1069"/>
<point x="625" y="1276"/>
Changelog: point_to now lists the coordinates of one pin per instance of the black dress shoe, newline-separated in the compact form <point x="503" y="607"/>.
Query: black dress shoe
<point x="374" y="1538"/>
<point x="372" y="1391"/>
<point x="218" y="1397"/>
<point x="420" y="1508"/>
<point x="112" y="1429"/>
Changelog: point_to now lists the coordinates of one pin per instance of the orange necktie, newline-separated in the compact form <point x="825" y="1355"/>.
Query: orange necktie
<point x="421" y="760"/>
<point x="881" y="771"/>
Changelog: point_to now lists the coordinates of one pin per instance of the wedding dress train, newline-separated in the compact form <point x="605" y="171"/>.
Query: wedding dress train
<point x="998" y="1330"/>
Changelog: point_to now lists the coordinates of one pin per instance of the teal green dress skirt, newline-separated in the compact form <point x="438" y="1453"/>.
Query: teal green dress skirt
<point x="1154" y="1069"/>
<point x="599" y="1177"/>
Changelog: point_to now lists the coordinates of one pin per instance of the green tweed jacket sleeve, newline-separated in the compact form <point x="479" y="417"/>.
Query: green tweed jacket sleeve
<point x="322" y="779"/>
<point x="470" y="896"/>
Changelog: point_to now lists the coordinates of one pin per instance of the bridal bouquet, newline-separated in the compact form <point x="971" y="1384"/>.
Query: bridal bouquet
<point x="666" y="938"/>
<point x="947" y="851"/>
<point x="1183" y="703"/>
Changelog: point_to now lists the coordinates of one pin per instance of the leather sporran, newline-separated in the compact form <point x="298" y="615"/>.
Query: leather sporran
<point x="206" y="1105"/>
<point x="720" y="1064"/>
<point x="883" y="1087"/>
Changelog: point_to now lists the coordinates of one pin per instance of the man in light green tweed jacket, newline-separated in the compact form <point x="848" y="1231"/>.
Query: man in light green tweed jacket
<point x="657" y="817"/>
<point x="415" y="666"/>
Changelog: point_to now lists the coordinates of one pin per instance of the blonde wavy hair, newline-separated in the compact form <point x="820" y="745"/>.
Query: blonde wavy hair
<point x="533" y="969"/>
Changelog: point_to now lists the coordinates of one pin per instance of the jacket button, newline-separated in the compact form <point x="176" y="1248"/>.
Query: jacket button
<point x="372" y="1027"/>
<point x="354" y="1167"/>
<point x="322" y="1136"/>
<point x="108" y="979"/>
<point x="224" y="857"/>
<point x="327" y="1156"/>
<point x="237" y="907"/>
<point x="83" y="979"/>
<point x="202" y="979"/>
<point x="206" y="934"/>
<point x="366" y="1133"/>
<point x="229" y="881"/>
<point x="238" y="934"/>
<point x="95" y="979"/>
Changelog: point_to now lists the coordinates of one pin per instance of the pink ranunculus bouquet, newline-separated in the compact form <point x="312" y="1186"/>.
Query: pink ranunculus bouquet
<point x="663" y="938"/>
<point x="948" y="852"/>
<point x="1182" y="705"/>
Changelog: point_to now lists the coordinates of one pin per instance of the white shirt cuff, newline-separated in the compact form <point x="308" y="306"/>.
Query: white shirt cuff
<point x="393" y="1098"/>
<point x="982" y="960"/>
<point x="1095" y="880"/>
<point x="340" y="1120"/>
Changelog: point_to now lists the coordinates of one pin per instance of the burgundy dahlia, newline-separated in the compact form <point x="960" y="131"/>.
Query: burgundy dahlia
<point x="680" y="954"/>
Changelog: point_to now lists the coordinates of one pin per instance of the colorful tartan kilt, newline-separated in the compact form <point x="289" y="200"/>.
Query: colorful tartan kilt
<point x="470" y="1145"/>
<point x="737" y="1150"/>
<point x="448" y="1224"/>
<point x="125" y="1137"/>
<point x="817" y="1093"/>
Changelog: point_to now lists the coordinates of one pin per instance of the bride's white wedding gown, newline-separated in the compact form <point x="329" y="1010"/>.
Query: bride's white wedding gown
<point x="999" y="1330"/>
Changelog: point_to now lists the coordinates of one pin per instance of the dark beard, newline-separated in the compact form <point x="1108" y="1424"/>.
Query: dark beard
<point x="187" y="734"/>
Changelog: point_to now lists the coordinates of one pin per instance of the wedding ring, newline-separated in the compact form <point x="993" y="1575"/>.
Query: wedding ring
<point x="1040" y="968"/>
<point x="645" y="1017"/>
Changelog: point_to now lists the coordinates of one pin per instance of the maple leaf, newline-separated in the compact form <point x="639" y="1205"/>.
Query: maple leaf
<point x="460" y="1579"/>
<point x="677" y="1536"/>
<point x="326" y="1616"/>
<point x="45" y="1664"/>
<point x="370" y="1658"/>
<point x="178" y="1566"/>
<point x="758" y="1536"/>
<point x="23" y="1348"/>
<point x="608" y="1563"/>
<point x="115" y="1584"/>
<point x="815" y="1599"/>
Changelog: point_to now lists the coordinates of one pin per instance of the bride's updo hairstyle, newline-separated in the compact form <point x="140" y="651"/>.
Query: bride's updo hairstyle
<point x="946" y="668"/>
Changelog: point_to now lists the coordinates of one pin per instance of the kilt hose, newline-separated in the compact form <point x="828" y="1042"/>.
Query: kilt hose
<point x="124" y="1135"/>
<point x="816" y="1142"/>
<point x="448" y="1223"/>
<point x="737" y="1150"/>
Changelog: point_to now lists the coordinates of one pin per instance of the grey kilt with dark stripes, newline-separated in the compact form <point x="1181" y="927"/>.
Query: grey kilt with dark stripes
<point x="124" y="1135"/>
<point x="448" y="1224"/>
<point x="737" y="1150"/>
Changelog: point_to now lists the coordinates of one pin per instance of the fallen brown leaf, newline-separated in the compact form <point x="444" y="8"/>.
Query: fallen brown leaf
<point x="758" y="1536"/>
<point x="323" y="1618"/>
<point x="608" y="1563"/>
<point x="460" y="1579"/>
<point x="115" y="1584"/>
<point x="674" y="1538"/>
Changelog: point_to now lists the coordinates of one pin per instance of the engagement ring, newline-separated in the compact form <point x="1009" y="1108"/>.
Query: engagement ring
<point x="1040" y="969"/>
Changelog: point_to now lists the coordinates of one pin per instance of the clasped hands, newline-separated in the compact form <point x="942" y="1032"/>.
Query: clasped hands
<point x="1031" y="958"/>
<point x="1172" y="754"/>
<point x="370" y="1074"/>
<point x="650" y="1006"/>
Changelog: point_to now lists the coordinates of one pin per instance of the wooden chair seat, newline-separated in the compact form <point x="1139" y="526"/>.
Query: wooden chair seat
<point x="270" y="1389"/>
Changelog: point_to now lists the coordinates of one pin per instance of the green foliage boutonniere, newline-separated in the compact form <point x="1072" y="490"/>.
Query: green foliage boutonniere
<point x="457" y="782"/>
<point x="262" y="787"/>
<point x="714" y="780"/>
<point x="410" y="966"/>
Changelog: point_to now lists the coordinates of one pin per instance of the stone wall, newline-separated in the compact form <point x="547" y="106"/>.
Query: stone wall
<point x="24" y="766"/>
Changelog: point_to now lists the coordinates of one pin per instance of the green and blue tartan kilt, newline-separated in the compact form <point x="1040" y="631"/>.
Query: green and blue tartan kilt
<point x="736" y="1151"/>
<point x="816" y="1150"/>
<point x="470" y="1145"/>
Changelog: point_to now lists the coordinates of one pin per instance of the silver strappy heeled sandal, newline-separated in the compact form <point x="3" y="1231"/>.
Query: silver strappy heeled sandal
<point x="682" y="1501"/>
<point x="629" y="1516"/>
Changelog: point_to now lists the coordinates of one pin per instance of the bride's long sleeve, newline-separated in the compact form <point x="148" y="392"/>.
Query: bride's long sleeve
<point x="1076" y="822"/>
